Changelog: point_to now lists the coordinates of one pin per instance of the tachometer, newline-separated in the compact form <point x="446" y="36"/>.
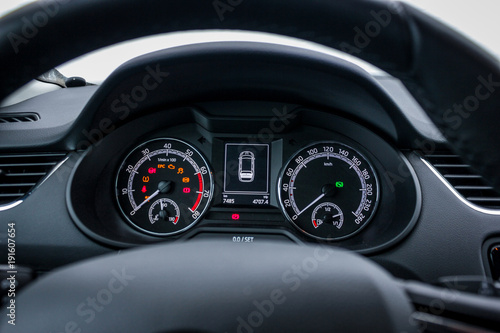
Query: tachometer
<point x="328" y="190"/>
<point x="164" y="186"/>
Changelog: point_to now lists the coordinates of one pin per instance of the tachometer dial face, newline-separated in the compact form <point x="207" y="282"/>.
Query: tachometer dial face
<point x="164" y="186"/>
<point x="328" y="190"/>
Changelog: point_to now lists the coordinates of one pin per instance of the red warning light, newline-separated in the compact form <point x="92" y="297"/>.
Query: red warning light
<point x="235" y="216"/>
<point x="152" y="170"/>
<point x="144" y="189"/>
<point x="186" y="190"/>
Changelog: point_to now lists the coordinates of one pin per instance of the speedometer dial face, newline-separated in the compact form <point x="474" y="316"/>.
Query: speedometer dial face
<point x="164" y="186"/>
<point x="328" y="190"/>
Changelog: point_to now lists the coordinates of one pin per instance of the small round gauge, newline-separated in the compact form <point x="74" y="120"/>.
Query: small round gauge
<point x="164" y="210"/>
<point x="327" y="213"/>
<point x="328" y="190"/>
<point x="164" y="186"/>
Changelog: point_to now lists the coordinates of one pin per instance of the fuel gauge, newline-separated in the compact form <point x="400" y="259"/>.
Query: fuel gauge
<point x="329" y="214"/>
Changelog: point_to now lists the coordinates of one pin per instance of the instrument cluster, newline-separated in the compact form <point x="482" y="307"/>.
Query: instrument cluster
<point x="321" y="178"/>
<point x="327" y="189"/>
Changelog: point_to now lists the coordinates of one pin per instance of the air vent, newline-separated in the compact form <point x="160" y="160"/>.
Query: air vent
<point x="19" y="118"/>
<point x="20" y="173"/>
<point x="464" y="179"/>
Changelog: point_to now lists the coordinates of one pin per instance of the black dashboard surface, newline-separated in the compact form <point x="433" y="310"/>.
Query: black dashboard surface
<point x="417" y="228"/>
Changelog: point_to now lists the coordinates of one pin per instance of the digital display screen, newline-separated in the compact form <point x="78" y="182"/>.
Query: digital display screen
<point x="246" y="174"/>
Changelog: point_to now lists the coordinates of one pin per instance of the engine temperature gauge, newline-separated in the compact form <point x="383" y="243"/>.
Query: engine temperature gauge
<point x="328" y="190"/>
<point x="164" y="210"/>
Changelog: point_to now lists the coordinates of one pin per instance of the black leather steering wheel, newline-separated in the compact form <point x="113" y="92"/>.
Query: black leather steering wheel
<point x="454" y="80"/>
<point x="216" y="282"/>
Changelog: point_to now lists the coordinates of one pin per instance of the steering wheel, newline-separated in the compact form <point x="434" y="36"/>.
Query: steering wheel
<point x="214" y="287"/>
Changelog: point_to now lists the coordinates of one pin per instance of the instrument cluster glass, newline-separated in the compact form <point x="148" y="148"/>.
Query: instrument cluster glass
<point x="327" y="190"/>
<point x="164" y="186"/>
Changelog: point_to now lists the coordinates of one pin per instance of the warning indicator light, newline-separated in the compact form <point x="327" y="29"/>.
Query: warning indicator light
<point x="235" y="216"/>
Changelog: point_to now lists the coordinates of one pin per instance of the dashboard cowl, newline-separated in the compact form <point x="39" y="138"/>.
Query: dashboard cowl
<point x="234" y="71"/>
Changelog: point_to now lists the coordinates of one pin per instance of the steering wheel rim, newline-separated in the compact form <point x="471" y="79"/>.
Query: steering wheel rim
<point x="204" y="286"/>
<point x="418" y="50"/>
<point x="423" y="53"/>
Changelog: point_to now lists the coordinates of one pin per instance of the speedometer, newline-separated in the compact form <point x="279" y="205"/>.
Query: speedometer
<point x="328" y="190"/>
<point x="164" y="186"/>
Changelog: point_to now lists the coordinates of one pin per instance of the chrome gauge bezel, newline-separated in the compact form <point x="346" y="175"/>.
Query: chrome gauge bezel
<point x="292" y="159"/>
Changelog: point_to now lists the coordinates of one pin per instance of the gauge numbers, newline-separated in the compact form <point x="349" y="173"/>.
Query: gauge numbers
<point x="164" y="186"/>
<point x="328" y="190"/>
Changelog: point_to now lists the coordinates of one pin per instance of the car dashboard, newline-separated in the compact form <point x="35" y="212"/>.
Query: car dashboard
<point x="158" y="154"/>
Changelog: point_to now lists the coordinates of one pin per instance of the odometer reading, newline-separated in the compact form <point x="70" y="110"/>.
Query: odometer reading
<point x="164" y="186"/>
<point x="328" y="190"/>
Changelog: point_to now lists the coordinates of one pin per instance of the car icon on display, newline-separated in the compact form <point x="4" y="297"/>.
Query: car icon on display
<point x="246" y="166"/>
